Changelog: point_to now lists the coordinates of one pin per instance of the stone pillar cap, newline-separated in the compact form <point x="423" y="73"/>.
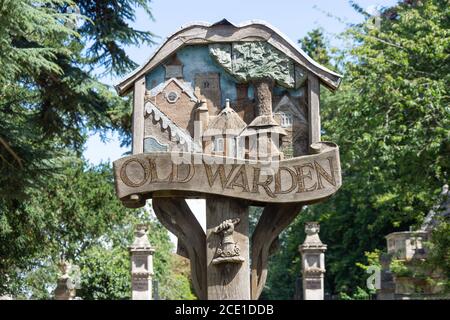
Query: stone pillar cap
<point x="312" y="240"/>
<point x="141" y="242"/>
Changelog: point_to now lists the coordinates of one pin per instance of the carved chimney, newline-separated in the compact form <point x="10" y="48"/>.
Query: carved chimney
<point x="203" y="114"/>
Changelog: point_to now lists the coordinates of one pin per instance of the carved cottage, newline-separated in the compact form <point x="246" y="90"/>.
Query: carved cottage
<point x="180" y="94"/>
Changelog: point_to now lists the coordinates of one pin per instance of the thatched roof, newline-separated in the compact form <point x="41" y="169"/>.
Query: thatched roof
<point x="263" y="124"/>
<point x="204" y="33"/>
<point x="227" y="122"/>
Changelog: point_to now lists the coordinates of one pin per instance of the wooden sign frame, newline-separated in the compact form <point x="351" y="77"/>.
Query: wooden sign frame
<point x="228" y="113"/>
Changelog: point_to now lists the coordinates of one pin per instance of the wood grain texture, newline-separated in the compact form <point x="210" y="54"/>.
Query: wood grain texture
<point x="176" y="216"/>
<point x="227" y="280"/>
<point x="274" y="219"/>
<point x="138" y="116"/>
<point x="313" y="92"/>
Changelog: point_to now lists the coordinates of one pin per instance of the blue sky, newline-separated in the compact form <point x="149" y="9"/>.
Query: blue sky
<point x="293" y="18"/>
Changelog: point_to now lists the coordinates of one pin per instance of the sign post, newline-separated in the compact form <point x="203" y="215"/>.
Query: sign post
<point x="228" y="113"/>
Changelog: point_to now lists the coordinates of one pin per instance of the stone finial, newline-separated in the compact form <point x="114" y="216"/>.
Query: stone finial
<point x="312" y="234"/>
<point x="227" y="103"/>
<point x="312" y="228"/>
<point x="140" y="238"/>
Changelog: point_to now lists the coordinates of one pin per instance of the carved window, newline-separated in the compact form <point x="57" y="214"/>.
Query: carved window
<point x="286" y="119"/>
<point x="205" y="84"/>
<point x="172" y="96"/>
<point x="240" y="148"/>
<point x="218" y="145"/>
<point x="231" y="147"/>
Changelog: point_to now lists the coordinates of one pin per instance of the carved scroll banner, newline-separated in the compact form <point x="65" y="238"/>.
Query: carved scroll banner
<point x="304" y="179"/>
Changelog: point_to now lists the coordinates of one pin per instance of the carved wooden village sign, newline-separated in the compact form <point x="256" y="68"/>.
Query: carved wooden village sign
<point x="230" y="114"/>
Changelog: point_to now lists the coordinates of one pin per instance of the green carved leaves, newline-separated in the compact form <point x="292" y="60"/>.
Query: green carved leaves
<point x="247" y="61"/>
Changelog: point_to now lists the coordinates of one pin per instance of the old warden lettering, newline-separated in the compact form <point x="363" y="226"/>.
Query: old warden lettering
<point x="305" y="177"/>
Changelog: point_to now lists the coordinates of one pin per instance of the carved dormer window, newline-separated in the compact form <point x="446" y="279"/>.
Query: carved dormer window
<point x="286" y="119"/>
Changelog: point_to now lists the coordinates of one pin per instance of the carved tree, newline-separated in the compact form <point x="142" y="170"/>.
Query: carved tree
<point x="262" y="65"/>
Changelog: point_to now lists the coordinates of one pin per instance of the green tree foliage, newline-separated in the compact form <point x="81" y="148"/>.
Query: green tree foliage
<point x="81" y="219"/>
<point x="50" y="96"/>
<point x="177" y="285"/>
<point x="392" y="124"/>
<point x="439" y="248"/>
<point x="105" y="267"/>
<point x="391" y="120"/>
<point x="76" y="208"/>
<point x="359" y="294"/>
<point x="49" y="100"/>
<point x="111" y="32"/>
<point x="105" y="274"/>
<point x="51" y="202"/>
<point x="315" y="45"/>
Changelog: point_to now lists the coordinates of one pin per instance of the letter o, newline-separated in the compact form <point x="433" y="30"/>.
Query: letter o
<point x="124" y="176"/>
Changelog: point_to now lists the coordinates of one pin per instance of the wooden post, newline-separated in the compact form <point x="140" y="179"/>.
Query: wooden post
<point x="227" y="280"/>
<point x="313" y="108"/>
<point x="138" y="116"/>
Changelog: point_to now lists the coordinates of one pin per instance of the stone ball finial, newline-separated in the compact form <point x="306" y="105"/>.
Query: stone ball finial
<point x="312" y="228"/>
